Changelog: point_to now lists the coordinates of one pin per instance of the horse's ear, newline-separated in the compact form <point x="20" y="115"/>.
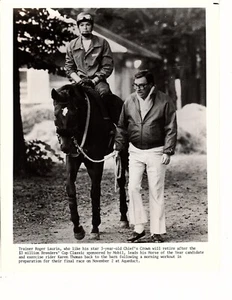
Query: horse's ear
<point x="54" y="94"/>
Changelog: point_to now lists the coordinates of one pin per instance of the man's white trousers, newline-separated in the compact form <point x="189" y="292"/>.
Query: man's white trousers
<point x="139" y="161"/>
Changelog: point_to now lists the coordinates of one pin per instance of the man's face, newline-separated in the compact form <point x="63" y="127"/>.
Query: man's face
<point x="85" y="28"/>
<point x="142" y="87"/>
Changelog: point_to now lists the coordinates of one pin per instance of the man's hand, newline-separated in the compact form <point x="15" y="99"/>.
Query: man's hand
<point x="166" y="159"/>
<point x="86" y="82"/>
<point x="116" y="153"/>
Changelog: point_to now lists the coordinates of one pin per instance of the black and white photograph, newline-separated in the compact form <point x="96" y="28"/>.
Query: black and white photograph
<point x="109" y="125"/>
<point x="110" y="137"/>
<point x="115" y="149"/>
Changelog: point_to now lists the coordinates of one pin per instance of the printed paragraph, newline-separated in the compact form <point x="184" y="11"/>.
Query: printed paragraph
<point x="101" y="254"/>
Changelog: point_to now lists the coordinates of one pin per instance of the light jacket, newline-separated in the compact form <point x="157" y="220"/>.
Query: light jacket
<point x="97" y="61"/>
<point x="158" y="128"/>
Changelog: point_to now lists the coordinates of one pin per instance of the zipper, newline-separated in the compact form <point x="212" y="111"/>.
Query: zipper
<point x="141" y="133"/>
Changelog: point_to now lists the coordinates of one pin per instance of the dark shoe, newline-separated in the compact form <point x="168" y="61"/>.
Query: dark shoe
<point x="136" y="236"/>
<point x="157" y="238"/>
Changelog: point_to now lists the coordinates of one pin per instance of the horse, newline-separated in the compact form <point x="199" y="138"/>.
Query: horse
<point x="86" y="137"/>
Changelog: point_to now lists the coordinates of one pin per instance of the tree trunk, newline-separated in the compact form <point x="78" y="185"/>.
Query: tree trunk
<point x="19" y="152"/>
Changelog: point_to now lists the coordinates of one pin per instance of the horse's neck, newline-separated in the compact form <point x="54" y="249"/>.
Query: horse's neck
<point x="96" y="117"/>
<point x="98" y="127"/>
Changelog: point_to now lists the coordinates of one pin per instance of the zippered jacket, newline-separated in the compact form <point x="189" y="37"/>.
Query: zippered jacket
<point x="158" y="128"/>
<point x="97" y="61"/>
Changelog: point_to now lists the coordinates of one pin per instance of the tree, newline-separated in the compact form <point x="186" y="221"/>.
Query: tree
<point x="37" y="37"/>
<point x="177" y="34"/>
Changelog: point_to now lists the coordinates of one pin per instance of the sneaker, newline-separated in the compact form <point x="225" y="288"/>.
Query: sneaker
<point x="135" y="236"/>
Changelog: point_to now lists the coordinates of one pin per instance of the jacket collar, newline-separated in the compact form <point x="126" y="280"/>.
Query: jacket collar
<point x="136" y="101"/>
<point x="94" y="42"/>
<point x="153" y="94"/>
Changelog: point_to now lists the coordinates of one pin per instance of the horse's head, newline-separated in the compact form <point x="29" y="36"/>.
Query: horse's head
<point x="69" y="112"/>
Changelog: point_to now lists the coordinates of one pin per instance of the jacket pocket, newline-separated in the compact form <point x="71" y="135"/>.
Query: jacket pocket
<point x="93" y="57"/>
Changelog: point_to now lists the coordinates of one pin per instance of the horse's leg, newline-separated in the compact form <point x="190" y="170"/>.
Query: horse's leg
<point x="122" y="198"/>
<point x="72" y="167"/>
<point x="95" y="171"/>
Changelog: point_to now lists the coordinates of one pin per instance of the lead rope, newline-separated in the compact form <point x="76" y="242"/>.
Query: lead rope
<point x="94" y="160"/>
<point x="117" y="171"/>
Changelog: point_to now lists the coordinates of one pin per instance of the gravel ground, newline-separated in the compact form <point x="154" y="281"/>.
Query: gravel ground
<point x="41" y="214"/>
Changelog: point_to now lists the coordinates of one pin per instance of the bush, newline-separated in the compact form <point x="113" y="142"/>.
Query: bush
<point x="38" y="157"/>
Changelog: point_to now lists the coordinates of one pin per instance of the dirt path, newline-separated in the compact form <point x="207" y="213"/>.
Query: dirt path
<point x="41" y="211"/>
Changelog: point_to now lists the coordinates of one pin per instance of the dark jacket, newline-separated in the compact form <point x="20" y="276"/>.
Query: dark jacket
<point x="158" y="128"/>
<point x="97" y="61"/>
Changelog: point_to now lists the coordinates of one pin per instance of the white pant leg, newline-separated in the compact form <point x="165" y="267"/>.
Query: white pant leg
<point x="137" y="213"/>
<point x="156" y="175"/>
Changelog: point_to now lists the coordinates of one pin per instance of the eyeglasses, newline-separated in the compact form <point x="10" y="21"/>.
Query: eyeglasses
<point x="139" y="86"/>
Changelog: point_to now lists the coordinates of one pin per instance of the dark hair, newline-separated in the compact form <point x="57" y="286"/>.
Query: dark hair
<point x="147" y="74"/>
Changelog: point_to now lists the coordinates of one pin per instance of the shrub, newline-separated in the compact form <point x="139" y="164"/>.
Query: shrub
<point x="38" y="157"/>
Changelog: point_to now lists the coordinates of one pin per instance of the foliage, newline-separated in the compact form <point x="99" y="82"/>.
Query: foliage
<point x="39" y="37"/>
<point x="36" y="38"/>
<point x="38" y="160"/>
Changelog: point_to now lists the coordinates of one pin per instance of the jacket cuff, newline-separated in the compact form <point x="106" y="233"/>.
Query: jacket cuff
<point x="118" y="147"/>
<point x="96" y="80"/>
<point x="100" y="76"/>
<point x="169" y="151"/>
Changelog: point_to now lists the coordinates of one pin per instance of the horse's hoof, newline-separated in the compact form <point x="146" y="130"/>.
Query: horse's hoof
<point x="80" y="233"/>
<point x="94" y="236"/>
<point x="124" y="224"/>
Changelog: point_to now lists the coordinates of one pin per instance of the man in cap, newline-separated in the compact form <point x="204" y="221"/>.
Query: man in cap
<point x="89" y="60"/>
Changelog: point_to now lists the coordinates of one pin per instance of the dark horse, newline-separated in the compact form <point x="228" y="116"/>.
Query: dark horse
<point x="84" y="136"/>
